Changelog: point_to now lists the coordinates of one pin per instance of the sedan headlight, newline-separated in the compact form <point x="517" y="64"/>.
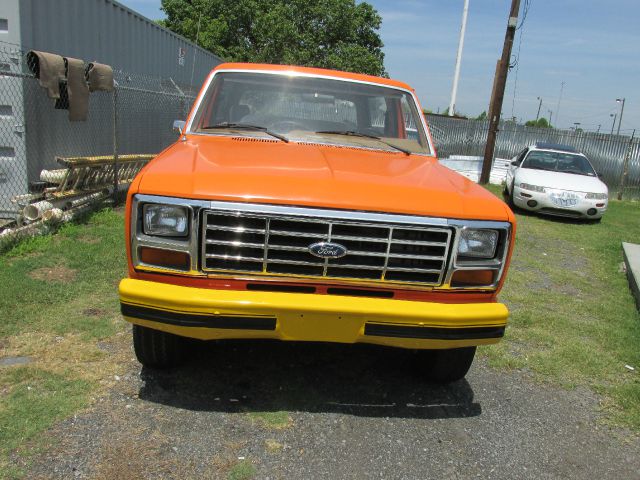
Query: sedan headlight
<point x="478" y="243"/>
<point x="533" y="188"/>
<point x="165" y="220"/>
<point x="597" y="196"/>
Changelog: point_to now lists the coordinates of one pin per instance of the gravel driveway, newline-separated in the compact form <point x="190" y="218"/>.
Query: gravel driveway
<point x="307" y="411"/>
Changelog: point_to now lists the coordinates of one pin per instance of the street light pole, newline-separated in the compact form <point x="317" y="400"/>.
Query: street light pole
<point x="621" y="112"/>
<point x="456" y="75"/>
<point x="614" y="121"/>
<point x="539" y="107"/>
<point x="550" y="115"/>
<point x="559" y="99"/>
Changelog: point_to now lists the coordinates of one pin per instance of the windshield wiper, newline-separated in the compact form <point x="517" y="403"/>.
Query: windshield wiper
<point x="246" y="126"/>
<point x="352" y="133"/>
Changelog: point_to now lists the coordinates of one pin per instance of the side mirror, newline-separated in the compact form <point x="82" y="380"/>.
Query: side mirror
<point x="178" y="126"/>
<point x="599" y="174"/>
<point x="514" y="163"/>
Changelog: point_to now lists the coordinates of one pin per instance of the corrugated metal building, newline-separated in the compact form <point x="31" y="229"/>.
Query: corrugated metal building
<point x="106" y="31"/>
<point x="146" y="58"/>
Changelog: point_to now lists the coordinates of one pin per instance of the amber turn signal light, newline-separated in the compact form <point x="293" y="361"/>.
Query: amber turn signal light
<point x="165" y="258"/>
<point x="473" y="278"/>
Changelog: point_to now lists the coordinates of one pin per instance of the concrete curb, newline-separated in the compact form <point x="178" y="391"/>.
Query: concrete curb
<point x="631" y="253"/>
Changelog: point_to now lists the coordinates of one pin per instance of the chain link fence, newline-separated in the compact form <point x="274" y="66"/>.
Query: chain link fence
<point x="50" y="165"/>
<point x="45" y="157"/>
<point x="615" y="157"/>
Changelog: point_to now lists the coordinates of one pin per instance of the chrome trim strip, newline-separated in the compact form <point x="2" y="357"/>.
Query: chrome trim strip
<point x="203" y="92"/>
<point x="386" y="254"/>
<point x="265" y="251"/>
<point x="313" y="214"/>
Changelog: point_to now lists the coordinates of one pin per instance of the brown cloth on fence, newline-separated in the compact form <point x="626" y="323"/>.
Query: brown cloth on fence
<point x="49" y="70"/>
<point x="77" y="90"/>
<point x="100" y="77"/>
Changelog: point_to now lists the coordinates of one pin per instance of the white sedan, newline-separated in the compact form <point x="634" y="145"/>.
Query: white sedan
<point x="556" y="180"/>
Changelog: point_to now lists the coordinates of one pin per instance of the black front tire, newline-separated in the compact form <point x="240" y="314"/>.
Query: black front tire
<point x="449" y="365"/>
<point x="157" y="349"/>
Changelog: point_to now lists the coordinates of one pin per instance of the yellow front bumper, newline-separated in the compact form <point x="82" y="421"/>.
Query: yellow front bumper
<point x="218" y="314"/>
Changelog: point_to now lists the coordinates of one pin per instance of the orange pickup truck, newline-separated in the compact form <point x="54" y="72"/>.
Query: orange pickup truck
<point x="308" y="205"/>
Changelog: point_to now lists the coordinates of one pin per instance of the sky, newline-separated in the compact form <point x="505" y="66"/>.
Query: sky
<point x="591" y="45"/>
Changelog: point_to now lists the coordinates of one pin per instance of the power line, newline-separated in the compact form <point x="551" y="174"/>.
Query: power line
<point x="525" y="10"/>
<point x="517" y="67"/>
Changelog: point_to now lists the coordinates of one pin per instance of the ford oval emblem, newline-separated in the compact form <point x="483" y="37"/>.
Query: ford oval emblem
<point x="327" y="250"/>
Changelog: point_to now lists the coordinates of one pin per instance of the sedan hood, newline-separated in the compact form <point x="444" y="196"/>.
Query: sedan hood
<point x="560" y="181"/>
<point x="261" y="170"/>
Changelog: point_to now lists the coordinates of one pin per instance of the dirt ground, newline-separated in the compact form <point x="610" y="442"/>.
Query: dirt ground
<point x="241" y="410"/>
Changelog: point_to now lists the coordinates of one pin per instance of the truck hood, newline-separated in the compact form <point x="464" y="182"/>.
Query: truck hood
<point x="259" y="170"/>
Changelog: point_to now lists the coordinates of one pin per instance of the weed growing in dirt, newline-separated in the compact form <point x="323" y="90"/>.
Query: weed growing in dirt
<point x="276" y="420"/>
<point x="242" y="471"/>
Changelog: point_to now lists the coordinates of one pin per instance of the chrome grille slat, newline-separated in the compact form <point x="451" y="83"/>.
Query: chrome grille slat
<point x="235" y="244"/>
<point x="283" y="233"/>
<point x="400" y="269"/>
<point x="277" y="244"/>
<point x="239" y="258"/>
<point x="293" y="248"/>
<point x="235" y="229"/>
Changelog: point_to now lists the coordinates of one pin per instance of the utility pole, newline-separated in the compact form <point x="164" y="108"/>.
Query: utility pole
<point x="539" y="107"/>
<point x="498" y="96"/>
<point x="456" y="75"/>
<point x="550" y="116"/>
<point x="621" y="112"/>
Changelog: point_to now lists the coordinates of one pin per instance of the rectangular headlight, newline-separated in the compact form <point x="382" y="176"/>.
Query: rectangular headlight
<point x="165" y="220"/>
<point x="478" y="243"/>
<point x="533" y="188"/>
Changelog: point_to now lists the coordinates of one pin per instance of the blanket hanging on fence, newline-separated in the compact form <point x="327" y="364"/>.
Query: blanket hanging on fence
<point x="49" y="69"/>
<point x="74" y="93"/>
<point x="100" y="77"/>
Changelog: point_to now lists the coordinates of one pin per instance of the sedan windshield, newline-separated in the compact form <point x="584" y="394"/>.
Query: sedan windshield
<point x="311" y="109"/>
<point x="559" y="162"/>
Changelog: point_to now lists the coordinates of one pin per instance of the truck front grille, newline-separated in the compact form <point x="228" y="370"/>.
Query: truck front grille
<point x="271" y="244"/>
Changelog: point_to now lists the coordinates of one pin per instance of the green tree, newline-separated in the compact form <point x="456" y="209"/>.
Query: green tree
<point x="482" y="116"/>
<point x="540" y="123"/>
<point x="337" y="34"/>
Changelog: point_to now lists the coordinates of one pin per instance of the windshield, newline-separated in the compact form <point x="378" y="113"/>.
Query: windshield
<point x="311" y="109"/>
<point x="559" y="162"/>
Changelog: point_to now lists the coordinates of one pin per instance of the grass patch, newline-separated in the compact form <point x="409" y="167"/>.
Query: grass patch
<point x="273" y="446"/>
<point x="59" y="299"/>
<point x="276" y="420"/>
<point x="36" y="400"/>
<point x="242" y="471"/>
<point x="573" y="318"/>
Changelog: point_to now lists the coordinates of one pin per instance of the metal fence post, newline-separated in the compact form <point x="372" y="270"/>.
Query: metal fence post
<point x="625" y="167"/>
<point x="115" y="146"/>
